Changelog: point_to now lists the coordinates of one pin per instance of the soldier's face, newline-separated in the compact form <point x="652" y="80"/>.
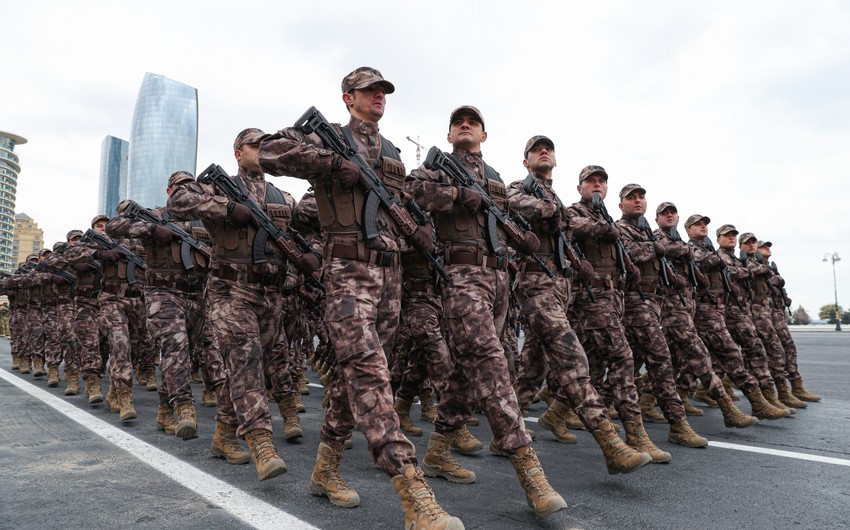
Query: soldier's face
<point x="541" y="159"/>
<point x="633" y="205"/>
<point x="466" y="132"/>
<point x="698" y="230"/>
<point x="593" y="184"/>
<point x="366" y="104"/>
<point x="100" y="226"/>
<point x="765" y="252"/>
<point x="248" y="157"/>
<point x="727" y="240"/>
<point x="668" y="219"/>
<point x="749" y="246"/>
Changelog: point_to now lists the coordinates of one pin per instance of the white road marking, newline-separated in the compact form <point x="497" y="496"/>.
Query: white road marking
<point x="236" y="502"/>
<point x="786" y="454"/>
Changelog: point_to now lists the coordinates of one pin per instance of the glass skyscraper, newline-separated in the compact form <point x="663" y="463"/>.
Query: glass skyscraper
<point x="9" y="169"/>
<point x="163" y="138"/>
<point x="113" y="174"/>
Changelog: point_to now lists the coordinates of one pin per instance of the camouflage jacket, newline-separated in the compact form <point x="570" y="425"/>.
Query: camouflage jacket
<point x="545" y="215"/>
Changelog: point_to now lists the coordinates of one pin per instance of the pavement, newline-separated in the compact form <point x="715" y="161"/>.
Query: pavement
<point x="66" y="464"/>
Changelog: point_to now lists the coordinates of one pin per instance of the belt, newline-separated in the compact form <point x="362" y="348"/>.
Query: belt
<point x="533" y="266"/>
<point x="178" y="284"/>
<point x="264" y="279"/>
<point x="378" y="258"/>
<point x="472" y="258"/>
<point x="598" y="283"/>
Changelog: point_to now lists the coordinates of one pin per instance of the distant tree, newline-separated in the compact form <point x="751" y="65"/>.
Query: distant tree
<point x="800" y="317"/>
<point x="845" y="319"/>
<point x="827" y="312"/>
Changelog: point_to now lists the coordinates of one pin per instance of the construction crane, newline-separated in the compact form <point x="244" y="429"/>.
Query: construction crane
<point x="418" y="149"/>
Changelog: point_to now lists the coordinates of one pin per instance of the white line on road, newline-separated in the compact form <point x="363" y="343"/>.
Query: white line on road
<point x="786" y="454"/>
<point x="248" y="508"/>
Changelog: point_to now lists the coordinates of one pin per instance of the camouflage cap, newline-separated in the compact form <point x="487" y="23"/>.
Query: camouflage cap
<point x="98" y="218"/>
<point x="591" y="170"/>
<point x="58" y="245"/>
<point x="466" y="109"/>
<point x="631" y="188"/>
<point x="695" y="218"/>
<point x="764" y="244"/>
<point x="534" y="140"/>
<point x="72" y="234"/>
<point x="746" y="236"/>
<point x="44" y="251"/>
<point x="180" y="177"/>
<point x="122" y="205"/>
<point x="363" y="77"/>
<point x="248" y="136"/>
<point x="31" y="257"/>
<point x="726" y="229"/>
<point x="665" y="206"/>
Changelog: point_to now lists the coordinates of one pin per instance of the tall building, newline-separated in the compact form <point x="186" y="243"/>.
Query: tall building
<point x="113" y="174"/>
<point x="9" y="169"/>
<point x="163" y="138"/>
<point x="28" y="238"/>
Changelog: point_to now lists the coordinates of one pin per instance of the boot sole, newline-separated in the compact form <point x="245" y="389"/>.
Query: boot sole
<point x="128" y="417"/>
<point x="316" y="488"/>
<point x="274" y="472"/>
<point x="93" y="400"/>
<point x="554" y="506"/>
<point x="644" y="460"/>
<point x="733" y="426"/>
<point x="656" y="419"/>
<point x="551" y="428"/>
<point x="436" y="472"/>
<point x="186" y="432"/>
<point x="218" y="453"/>
<point x="685" y="444"/>
<point x="293" y="435"/>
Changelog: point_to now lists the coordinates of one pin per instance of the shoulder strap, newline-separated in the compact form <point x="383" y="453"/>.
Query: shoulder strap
<point x="274" y="195"/>
<point x="389" y="150"/>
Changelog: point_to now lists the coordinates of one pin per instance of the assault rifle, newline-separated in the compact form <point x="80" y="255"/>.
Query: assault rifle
<point x="187" y="242"/>
<point x="724" y="274"/>
<point x="598" y="205"/>
<point x="133" y="261"/>
<point x="565" y="249"/>
<point x="293" y="247"/>
<point x="742" y="256"/>
<point x="4" y="275"/>
<point x="408" y="218"/>
<point x="515" y="228"/>
<point x="785" y="300"/>
<point x="67" y="276"/>
<point x="664" y="263"/>
<point x="692" y="268"/>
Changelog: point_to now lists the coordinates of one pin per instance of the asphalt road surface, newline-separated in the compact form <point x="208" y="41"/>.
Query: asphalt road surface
<point x="66" y="464"/>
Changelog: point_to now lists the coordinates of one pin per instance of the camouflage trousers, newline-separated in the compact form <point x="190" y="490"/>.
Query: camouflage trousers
<point x="763" y="322"/>
<point x="475" y="305"/>
<point x="123" y="322"/>
<point x="16" y="318"/>
<point x="289" y="322"/>
<point x="510" y="341"/>
<point x="34" y="335"/>
<point x="362" y="316"/>
<point x="532" y="370"/>
<point x="544" y="305"/>
<point x="603" y="337"/>
<point x="208" y="355"/>
<point x="694" y="361"/>
<point x="246" y="320"/>
<point x="4" y="324"/>
<point x="51" y="348"/>
<point x="175" y="321"/>
<point x="88" y="334"/>
<point x="740" y="324"/>
<point x="784" y="334"/>
<point x="428" y="352"/>
<point x="61" y="343"/>
<point x="726" y="356"/>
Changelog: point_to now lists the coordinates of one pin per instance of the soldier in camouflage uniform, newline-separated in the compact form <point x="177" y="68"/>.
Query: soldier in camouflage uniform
<point x="710" y="319"/>
<point x="363" y="292"/>
<point x="475" y="305"/>
<point x="677" y="321"/>
<point x="4" y="314"/>
<point x="40" y="288"/>
<point x="780" y="303"/>
<point x="544" y="302"/>
<point x="64" y="345"/>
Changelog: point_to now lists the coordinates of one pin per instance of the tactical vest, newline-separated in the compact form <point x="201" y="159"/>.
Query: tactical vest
<point x="461" y="225"/>
<point x="235" y="245"/>
<point x="415" y="265"/>
<point x="547" y="239"/>
<point x="602" y="255"/>
<point x="760" y="287"/>
<point x="341" y="211"/>
<point x="167" y="258"/>
<point x="116" y="273"/>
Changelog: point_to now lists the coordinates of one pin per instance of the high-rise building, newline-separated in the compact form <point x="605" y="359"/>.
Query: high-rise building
<point x="10" y="167"/>
<point x="27" y="239"/>
<point x="113" y="174"/>
<point x="163" y="138"/>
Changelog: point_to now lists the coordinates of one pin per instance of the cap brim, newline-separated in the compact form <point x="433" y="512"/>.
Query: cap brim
<point x="388" y="87"/>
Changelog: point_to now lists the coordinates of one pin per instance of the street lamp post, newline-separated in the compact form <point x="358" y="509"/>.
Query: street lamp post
<point x="833" y="257"/>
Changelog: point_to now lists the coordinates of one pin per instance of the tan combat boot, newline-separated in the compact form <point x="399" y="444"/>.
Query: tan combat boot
<point x="612" y="412"/>
<point x="498" y="451"/>
<point x="291" y="425"/>
<point x="16" y="362"/>
<point x="72" y="377"/>
<point x="463" y="441"/>
<point x="421" y="511"/>
<point x="690" y="409"/>
<point x="269" y="463"/>
<point x="112" y="399"/>
<point x="141" y="375"/>
<point x="165" y="419"/>
<point x="327" y="481"/>
<point x="541" y="497"/>
<point x="701" y="396"/>
<point x="762" y="409"/>
<point x="786" y="396"/>
<point x="554" y="420"/>
<point x="150" y="384"/>
<point x="619" y="457"/>
<point x="733" y="416"/>
<point x="572" y="421"/>
<point x="187" y="421"/>
<point x="683" y="434"/>
<point x="402" y="408"/>
<point x="800" y="391"/>
<point x="52" y="376"/>
<point x="544" y="394"/>
<point x="93" y="389"/>
<point x="209" y="396"/>
<point x="428" y="409"/>
<point x="225" y="445"/>
<point x="124" y="397"/>
<point x="771" y="397"/>
<point x="24" y="363"/>
<point x="647" y="408"/>
<point x="637" y="439"/>
<point x="196" y="375"/>
<point x="439" y="462"/>
<point x="38" y="367"/>
<point x="303" y="389"/>
<point x="730" y="390"/>
<point x="299" y="404"/>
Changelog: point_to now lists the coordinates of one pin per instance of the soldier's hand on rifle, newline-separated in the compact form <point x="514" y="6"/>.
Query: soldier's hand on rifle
<point x="423" y="238"/>
<point x="239" y="214"/>
<point x="346" y="173"/>
<point x="108" y="256"/>
<point x="469" y="199"/>
<point x="778" y="281"/>
<point x="677" y="251"/>
<point x="660" y="251"/>
<point x="81" y="266"/>
<point x="611" y="234"/>
<point x="308" y="263"/>
<point x="634" y="276"/>
<point x="553" y="223"/>
<point x="530" y="244"/>
<point x="585" y="271"/>
<point x="161" y="235"/>
<point x="702" y="279"/>
<point x="58" y="280"/>
<point x="678" y="281"/>
<point x="712" y="261"/>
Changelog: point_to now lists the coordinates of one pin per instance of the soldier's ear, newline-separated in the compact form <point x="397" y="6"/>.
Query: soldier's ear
<point x="347" y="98"/>
<point x="525" y="163"/>
<point x="483" y="137"/>
<point x="449" y="136"/>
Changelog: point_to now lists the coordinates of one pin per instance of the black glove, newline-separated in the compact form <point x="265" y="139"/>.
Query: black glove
<point x="308" y="263"/>
<point x="423" y="238"/>
<point x="239" y="214"/>
<point x="611" y="234"/>
<point x="469" y="199"/>
<point x="713" y="261"/>
<point x="660" y="251"/>
<point x="346" y="173"/>
<point x="161" y="235"/>
<point x="678" y="281"/>
<point x="778" y="281"/>
<point x="585" y="271"/>
<point x="530" y="244"/>
<point x="702" y="279"/>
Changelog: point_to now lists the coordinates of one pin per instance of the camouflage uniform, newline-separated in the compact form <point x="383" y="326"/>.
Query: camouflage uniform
<point x="88" y="272"/>
<point x="64" y="345"/>
<point x="780" y="324"/>
<point x="761" y="308"/>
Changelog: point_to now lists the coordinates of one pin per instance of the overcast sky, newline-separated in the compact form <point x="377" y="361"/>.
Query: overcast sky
<point x="735" y="110"/>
